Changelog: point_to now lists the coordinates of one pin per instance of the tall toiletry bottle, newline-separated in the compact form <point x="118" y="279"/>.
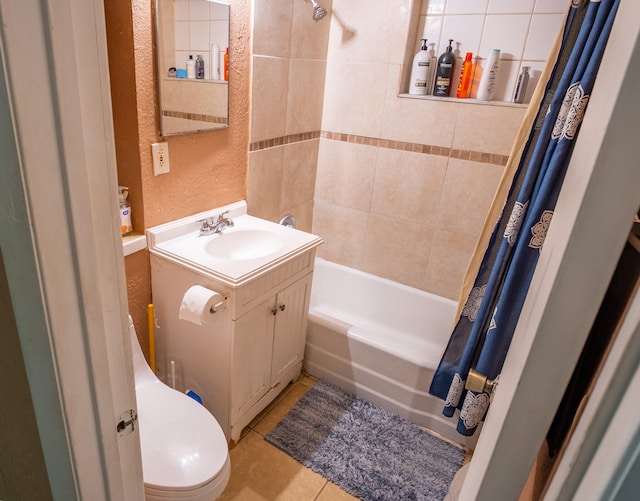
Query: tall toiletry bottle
<point x="420" y="70"/>
<point x="226" y="64"/>
<point x="446" y="62"/>
<point x="488" y="81"/>
<point x="521" y="86"/>
<point x="464" y="86"/>
<point x="191" y="67"/>
<point x="125" y="211"/>
<point x="215" y="62"/>
<point x="199" y="67"/>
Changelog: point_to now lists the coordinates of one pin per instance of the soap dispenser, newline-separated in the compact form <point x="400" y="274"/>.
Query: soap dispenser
<point x="446" y="62"/>
<point x="125" y="211"/>
<point x="420" y="70"/>
<point x="191" y="67"/>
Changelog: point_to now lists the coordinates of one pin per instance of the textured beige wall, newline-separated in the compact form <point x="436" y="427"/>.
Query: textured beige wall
<point x="208" y="169"/>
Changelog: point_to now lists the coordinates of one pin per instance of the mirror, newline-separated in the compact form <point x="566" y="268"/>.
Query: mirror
<point x="193" y="94"/>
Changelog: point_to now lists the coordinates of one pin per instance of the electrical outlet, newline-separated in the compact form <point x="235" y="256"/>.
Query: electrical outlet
<point x="160" y="153"/>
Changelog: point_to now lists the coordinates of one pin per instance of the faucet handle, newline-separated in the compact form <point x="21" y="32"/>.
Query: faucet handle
<point x="205" y="225"/>
<point x="221" y="215"/>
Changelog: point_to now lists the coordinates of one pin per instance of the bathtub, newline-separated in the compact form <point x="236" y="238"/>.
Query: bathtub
<point x="380" y="340"/>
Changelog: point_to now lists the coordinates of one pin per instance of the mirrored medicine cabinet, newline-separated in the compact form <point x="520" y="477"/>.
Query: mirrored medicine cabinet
<point x="200" y="29"/>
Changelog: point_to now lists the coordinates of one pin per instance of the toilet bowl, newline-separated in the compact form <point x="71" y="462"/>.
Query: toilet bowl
<point x="184" y="451"/>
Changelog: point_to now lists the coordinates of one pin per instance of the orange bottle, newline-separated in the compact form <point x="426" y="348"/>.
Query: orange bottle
<point x="226" y="64"/>
<point x="464" y="87"/>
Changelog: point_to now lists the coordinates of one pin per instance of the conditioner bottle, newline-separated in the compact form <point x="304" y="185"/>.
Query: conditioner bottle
<point x="191" y="67"/>
<point x="488" y="81"/>
<point x="420" y="71"/>
<point x="464" y="86"/>
<point x="446" y="62"/>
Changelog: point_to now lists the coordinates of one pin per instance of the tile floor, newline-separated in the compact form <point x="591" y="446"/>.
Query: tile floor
<point x="259" y="471"/>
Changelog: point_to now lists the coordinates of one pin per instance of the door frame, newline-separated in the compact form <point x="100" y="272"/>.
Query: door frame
<point x="61" y="248"/>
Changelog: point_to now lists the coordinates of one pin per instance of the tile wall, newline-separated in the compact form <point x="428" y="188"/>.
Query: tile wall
<point x="289" y="63"/>
<point x="524" y="31"/>
<point x="397" y="187"/>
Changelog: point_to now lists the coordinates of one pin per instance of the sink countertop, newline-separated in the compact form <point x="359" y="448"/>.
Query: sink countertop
<point x="181" y="241"/>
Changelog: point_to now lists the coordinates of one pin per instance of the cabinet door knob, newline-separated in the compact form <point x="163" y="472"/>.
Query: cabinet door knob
<point x="282" y="307"/>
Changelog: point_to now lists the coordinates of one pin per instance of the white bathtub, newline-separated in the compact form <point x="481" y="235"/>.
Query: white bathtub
<point x="380" y="340"/>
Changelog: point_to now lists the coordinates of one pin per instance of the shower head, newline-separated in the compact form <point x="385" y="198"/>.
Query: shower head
<point x="318" y="11"/>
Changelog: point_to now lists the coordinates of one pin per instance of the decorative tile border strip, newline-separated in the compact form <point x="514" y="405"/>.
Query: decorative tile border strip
<point x="279" y="141"/>
<point x="196" y="116"/>
<point x="473" y="156"/>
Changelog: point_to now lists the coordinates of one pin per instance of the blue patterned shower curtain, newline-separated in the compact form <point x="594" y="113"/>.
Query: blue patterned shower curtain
<point x="486" y="325"/>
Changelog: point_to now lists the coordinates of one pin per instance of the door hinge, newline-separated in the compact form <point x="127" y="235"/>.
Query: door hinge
<point x="126" y="422"/>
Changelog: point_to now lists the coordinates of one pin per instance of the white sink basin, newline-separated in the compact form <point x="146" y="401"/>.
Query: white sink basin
<point x="240" y="244"/>
<point x="235" y="254"/>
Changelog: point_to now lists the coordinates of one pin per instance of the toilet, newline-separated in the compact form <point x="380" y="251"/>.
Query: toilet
<point x="184" y="451"/>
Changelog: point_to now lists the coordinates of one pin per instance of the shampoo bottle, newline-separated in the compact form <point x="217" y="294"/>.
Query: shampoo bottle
<point x="215" y="62"/>
<point x="521" y="86"/>
<point x="464" y="87"/>
<point x="488" y="81"/>
<point x="226" y="64"/>
<point x="191" y="67"/>
<point x="446" y="63"/>
<point x="125" y="211"/>
<point x="420" y="70"/>
<point x="199" y="67"/>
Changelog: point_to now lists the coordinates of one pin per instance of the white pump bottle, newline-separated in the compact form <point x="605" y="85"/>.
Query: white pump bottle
<point x="420" y="71"/>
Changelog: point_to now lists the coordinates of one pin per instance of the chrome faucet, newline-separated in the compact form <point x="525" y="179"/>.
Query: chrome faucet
<point x="209" y="226"/>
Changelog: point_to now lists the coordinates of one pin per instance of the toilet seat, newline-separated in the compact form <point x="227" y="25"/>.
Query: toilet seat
<point x="184" y="451"/>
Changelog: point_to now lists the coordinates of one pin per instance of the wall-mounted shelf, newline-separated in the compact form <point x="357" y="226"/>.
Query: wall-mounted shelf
<point x="505" y="104"/>
<point x="133" y="243"/>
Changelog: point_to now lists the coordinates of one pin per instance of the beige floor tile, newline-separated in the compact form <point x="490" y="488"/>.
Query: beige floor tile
<point x="259" y="471"/>
<point x="332" y="492"/>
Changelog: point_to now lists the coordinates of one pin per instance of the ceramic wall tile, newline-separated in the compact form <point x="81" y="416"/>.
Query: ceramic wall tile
<point x="466" y="6"/>
<point x="468" y="190"/>
<point x="408" y="185"/>
<point x="198" y="10"/>
<point x="432" y="6"/>
<point x="345" y="174"/>
<point x="264" y="181"/>
<point x="344" y="231"/>
<point x="269" y="105"/>
<point x="510" y="7"/>
<point x="543" y="32"/>
<point x="397" y="250"/>
<point x="198" y="37"/>
<point x="298" y="174"/>
<point x="506" y="32"/>
<point x="272" y="22"/>
<point x="448" y="261"/>
<point x="309" y="38"/>
<point x="181" y="10"/>
<point x="305" y="96"/>
<point x="466" y="32"/>
<point x="552" y="6"/>
<point x="487" y="129"/>
<point x="354" y="98"/>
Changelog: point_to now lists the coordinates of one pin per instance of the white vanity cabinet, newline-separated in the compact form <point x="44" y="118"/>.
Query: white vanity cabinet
<point x="268" y="348"/>
<point x="252" y="346"/>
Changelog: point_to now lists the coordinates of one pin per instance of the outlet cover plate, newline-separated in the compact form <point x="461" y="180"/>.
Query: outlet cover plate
<point x="160" y="153"/>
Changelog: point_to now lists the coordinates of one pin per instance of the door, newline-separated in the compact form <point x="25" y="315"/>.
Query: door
<point x="292" y="307"/>
<point x="251" y="347"/>
<point x="61" y="247"/>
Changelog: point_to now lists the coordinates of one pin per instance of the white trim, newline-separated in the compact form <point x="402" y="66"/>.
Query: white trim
<point x="591" y="222"/>
<point x="64" y="139"/>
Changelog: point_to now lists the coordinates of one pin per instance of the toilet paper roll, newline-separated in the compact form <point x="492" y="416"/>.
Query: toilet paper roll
<point x="198" y="304"/>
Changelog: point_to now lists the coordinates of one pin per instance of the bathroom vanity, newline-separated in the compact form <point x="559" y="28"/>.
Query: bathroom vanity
<point x="251" y="346"/>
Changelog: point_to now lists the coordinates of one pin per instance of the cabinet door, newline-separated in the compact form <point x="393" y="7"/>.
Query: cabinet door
<point x="251" y="363"/>
<point x="292" y="308"/>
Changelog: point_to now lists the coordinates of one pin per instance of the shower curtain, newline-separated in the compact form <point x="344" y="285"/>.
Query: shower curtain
<point x="529" y="190"/>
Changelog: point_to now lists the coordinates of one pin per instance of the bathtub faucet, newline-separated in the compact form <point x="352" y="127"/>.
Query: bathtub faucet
<point x="209" y="226"/>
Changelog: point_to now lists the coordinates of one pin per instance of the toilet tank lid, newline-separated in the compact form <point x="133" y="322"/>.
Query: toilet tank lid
<point x="183" y="446"/>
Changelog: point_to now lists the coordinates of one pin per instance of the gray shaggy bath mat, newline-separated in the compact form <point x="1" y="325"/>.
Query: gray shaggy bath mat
<point x="369" y="452"/>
